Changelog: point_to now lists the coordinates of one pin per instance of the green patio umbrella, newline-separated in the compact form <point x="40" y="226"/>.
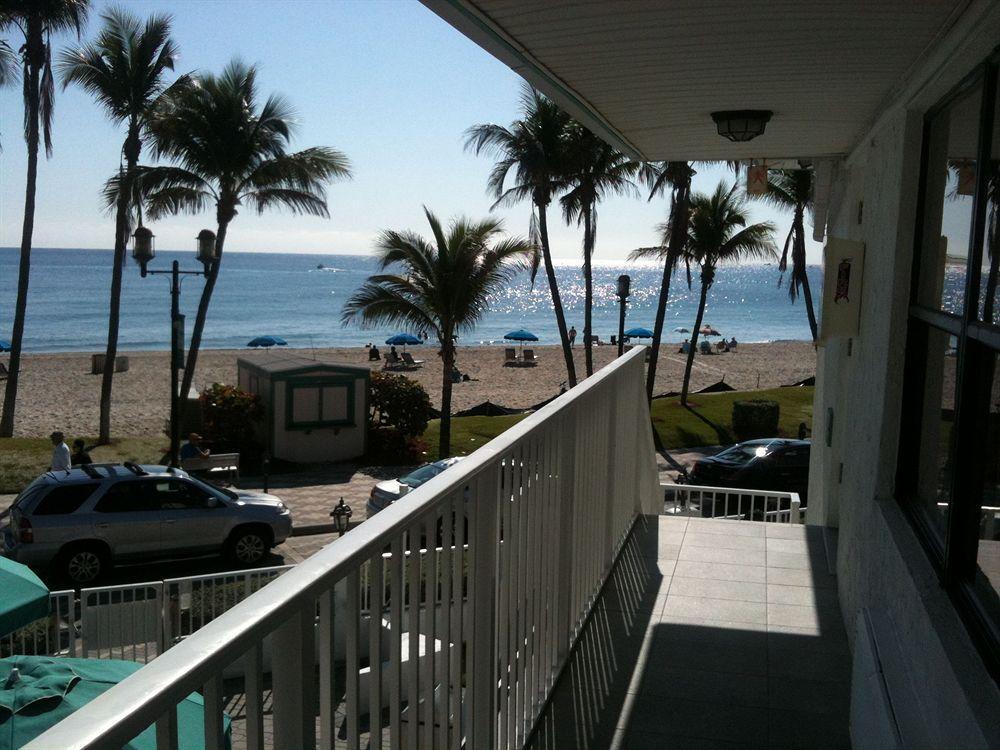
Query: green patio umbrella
<point x="45" y="690"/>
<point x="24" y="597"/>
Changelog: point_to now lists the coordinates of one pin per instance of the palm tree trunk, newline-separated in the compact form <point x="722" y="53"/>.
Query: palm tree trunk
<point x="799" y="268"/>
<point x="27" y="230"/>
<point x="448" y="361"/>
<point x="550" y="272"/>
<point x="114" y="311"/>
<point x="678" y="233"/>
<point x="705" y="283"/>
<point x="191" y="360"/>
<point x="588" y="299"/>
<point x="989" y="304"/>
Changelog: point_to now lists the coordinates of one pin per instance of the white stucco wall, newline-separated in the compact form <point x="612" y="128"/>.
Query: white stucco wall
<point x="880" y="562"/>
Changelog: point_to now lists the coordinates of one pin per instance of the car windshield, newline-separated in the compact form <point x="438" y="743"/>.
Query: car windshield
<point x="214" y="489"/>
<point x="424" y="473"/>
<point x="744" y="454"/>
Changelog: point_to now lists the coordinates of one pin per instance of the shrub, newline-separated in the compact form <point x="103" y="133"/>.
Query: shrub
<point x="756" y="418"/>
<point x="400" y="403"/>
<point x="231" y="417"/>
<point x="388" y="446"/>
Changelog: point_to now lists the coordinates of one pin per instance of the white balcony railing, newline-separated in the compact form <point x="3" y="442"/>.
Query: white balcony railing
<point x="527" y="527"/>
<point x="728" y="502"/>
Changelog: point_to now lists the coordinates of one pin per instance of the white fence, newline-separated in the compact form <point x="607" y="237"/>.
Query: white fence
<point x="726" y="502"/>
<point x="50" y="636"/>
<point x="540" y="514"/>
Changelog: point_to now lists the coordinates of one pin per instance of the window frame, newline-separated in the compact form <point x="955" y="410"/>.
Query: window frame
<point x="954" y="552"/>
<point x="319" y="383"/>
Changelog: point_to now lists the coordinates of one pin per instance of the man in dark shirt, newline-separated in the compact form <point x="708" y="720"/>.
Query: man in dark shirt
<point x="80" y="454"/>
<point x="191" y="449"/>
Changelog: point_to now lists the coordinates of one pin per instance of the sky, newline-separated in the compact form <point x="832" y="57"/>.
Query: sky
<point x="385" y="81"/>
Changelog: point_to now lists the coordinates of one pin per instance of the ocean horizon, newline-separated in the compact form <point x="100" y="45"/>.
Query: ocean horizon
<point x="299" y="296"/>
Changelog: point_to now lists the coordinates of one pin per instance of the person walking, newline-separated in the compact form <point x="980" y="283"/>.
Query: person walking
<point x="80" y="453"/>
<point x="60" y="453"/>
<point x="572" y="335"/>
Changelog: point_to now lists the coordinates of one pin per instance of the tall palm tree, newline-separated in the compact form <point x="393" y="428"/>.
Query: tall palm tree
<point x="719" y="232"/>
<point x="594" y="170"/>
<point x="659" y="176"/>
<point x="533" y="148"/>
<point x="792" y="190"/>
<point x="229" y="149"/>
<point x="37" y="20"/>
<point x="125" y="70"/>
<point x="443" y="285"/>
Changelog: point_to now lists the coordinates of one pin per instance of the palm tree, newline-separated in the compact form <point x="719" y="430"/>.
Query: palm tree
<point x="659" y="176"/>
<point x="37" y="20"/>
<point x="719" y="232"/>
<point x="230" y="150"/>
<point x="593" y="170"/>
<point x="124" y="69"/>
<point x="792" y="190"/>
<point x="533" y="148"/>
<point x="443" y="285"/>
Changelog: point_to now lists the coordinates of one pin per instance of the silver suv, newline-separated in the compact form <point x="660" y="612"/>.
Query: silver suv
<point x="84" y="520"/>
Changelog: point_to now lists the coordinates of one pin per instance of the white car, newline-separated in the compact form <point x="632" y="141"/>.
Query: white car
<point x="387" y="492"/>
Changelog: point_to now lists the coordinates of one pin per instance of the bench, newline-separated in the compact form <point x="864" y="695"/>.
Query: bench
<point x="214" y="464"/>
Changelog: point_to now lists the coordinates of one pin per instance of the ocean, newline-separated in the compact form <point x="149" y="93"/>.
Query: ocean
<point x="290" y="295"/>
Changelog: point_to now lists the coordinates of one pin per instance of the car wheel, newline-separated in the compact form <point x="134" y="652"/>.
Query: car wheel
<point x="248" y="546"/>
<point x="82" y="565"/>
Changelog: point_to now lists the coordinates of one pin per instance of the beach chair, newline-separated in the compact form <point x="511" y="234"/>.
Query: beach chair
<point x="732" y="347"/>
<point x="509" y="357"/>
<point x="409" y="361"/>
<point x="529" y="358"/>
<point x="4" y="372"/>
<point x="392" y="362"/>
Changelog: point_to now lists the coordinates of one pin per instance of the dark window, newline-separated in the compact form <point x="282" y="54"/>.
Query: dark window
<point x="320" y="402"/>
<point x="64" y="499"/>
<point x="179" y="495"/>
<point x="129" y="497"/>
<point x="948" y="471"/>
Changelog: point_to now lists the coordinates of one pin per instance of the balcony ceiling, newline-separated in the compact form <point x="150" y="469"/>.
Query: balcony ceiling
<point x="648" y="73"/>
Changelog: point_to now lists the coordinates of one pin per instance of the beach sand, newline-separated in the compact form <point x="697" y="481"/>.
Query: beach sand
<point x="57" y="391"/>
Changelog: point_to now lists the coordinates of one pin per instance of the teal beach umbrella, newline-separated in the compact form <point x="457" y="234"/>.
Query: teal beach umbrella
<point x="37" y="692"/>
<point x="23" y="596"/>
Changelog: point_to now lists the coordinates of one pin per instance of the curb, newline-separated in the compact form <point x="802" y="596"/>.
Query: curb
<point x="319" y="528"/>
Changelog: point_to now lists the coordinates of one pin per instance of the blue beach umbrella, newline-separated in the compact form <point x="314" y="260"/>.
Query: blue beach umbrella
<point x="4" y="345"/>
<point x="520" y="335"/>
<point x="639" y="333"/>
<point x="267" y="341"/>
<point x="25" y="598"/>
<point x="402" y="339"/>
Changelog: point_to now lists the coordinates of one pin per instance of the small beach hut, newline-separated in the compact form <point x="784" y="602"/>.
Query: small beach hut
<point x="314" y="409"/>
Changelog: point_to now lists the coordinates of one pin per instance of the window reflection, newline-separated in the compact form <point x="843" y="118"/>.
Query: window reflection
<point x="951" y="186"/>
<point x="990" y="284"/>
<point x="988" y="556"/>
<point x="935" y="467"/>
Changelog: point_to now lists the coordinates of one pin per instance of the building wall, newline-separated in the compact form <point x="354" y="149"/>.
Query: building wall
<point x="880" y="563"/>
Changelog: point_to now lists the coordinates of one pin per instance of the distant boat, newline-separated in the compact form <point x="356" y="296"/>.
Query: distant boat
<point x="320" y="266"/>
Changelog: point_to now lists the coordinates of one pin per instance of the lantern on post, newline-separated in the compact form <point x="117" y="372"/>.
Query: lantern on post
<point x="206" y="247"/>
<point x="624" y="288"/>
<point x="341" y="517"/>
<point x="142" y="247"/>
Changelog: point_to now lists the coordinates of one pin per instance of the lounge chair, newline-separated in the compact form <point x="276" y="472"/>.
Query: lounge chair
<point x="392" y="361"/>
<point x="409" y="361"/>
<point x="529" y="358"/>
<point x="509" y="357"/>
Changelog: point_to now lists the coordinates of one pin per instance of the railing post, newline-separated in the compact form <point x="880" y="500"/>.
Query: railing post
<point x="796" y="511"/>
<point x="483" y="510"/>
<point x="292" y="679"/>
<point x="566" y="518"/>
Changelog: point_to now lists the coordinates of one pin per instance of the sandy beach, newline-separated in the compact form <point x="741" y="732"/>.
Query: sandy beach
<point x="57" y="391"/>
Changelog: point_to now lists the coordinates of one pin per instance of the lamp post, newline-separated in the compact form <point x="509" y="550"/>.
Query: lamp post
<point x="341" y="517"/>
<point x="624" y="285"/>
<point x="143" y="252"/>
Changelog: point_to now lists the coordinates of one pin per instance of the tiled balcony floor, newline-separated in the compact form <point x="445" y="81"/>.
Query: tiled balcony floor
<point x="709" y="634"/>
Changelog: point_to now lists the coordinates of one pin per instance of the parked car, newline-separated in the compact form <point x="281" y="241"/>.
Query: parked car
<point x="387" y="492"/>
<point x="85" y="520"/>
<point x="776" y="464"/>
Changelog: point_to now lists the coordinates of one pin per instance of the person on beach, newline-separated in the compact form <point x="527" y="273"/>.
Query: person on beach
<point x="733" y="343"/>
<point x="60" y="453"/>
<point x="80" y="454"/>
<point x="572" y="335"/>
<point x="685" y="347"/>
<point x="192" y="448"/>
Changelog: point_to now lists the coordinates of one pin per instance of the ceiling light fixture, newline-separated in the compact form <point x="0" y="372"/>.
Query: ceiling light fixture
<point x="742" y="125"/>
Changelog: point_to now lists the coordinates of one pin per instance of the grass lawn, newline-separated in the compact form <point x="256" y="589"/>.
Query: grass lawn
<point x="23" y="459"/>
<point x="707" y="421"/>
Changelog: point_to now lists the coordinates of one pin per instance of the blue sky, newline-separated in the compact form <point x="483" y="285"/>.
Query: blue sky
<point x="385" y="81"/>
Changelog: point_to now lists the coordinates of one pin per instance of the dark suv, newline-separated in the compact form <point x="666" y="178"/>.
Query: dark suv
<point x="83" y="520"/>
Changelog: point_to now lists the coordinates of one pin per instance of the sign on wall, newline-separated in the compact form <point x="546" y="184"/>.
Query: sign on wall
<point x="842" y="285"/>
